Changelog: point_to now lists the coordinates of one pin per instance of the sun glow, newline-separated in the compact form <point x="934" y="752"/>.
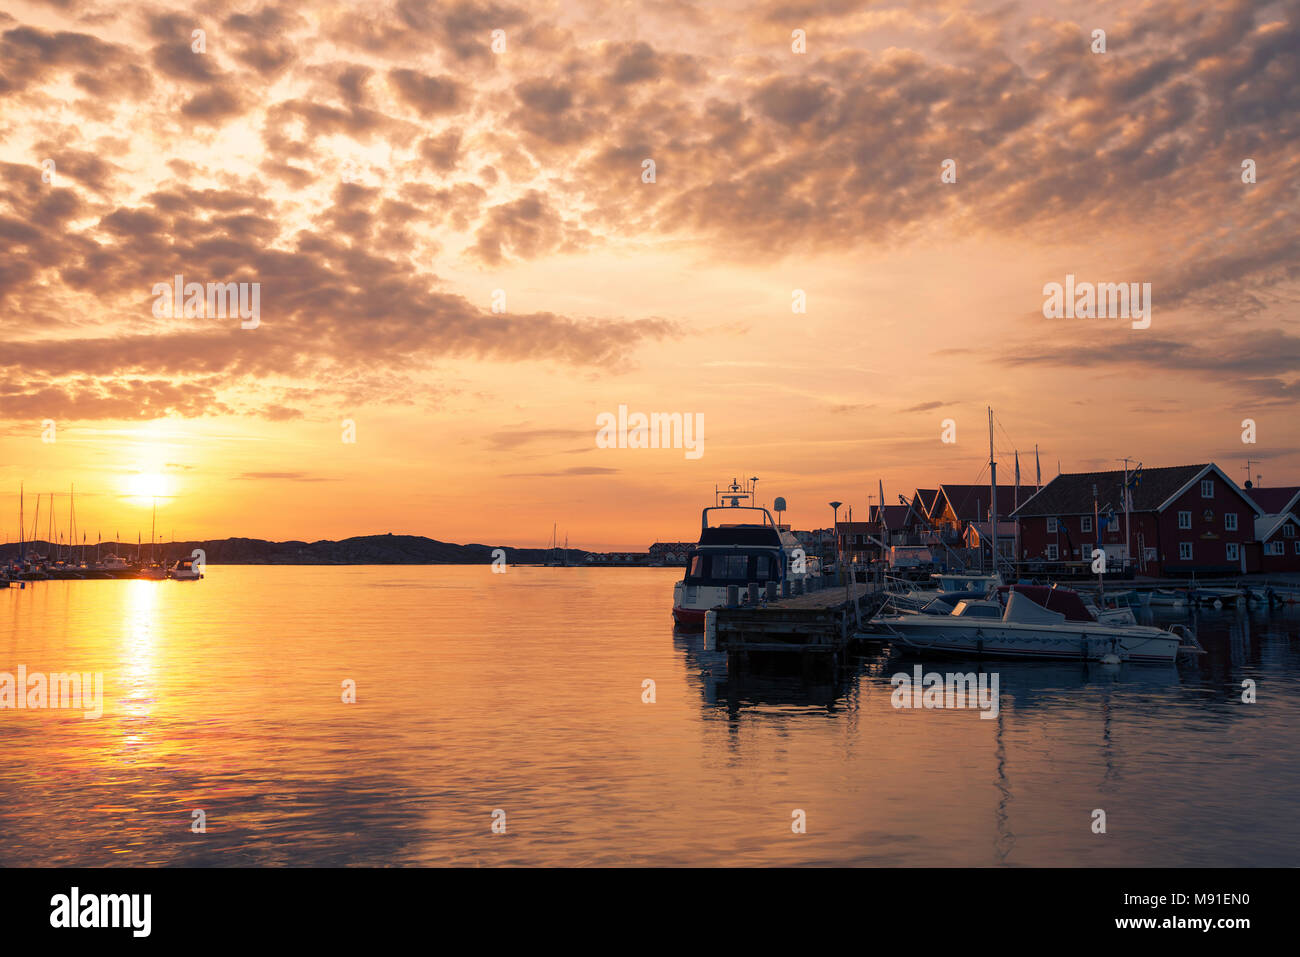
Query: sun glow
<point x="145" y="487"/>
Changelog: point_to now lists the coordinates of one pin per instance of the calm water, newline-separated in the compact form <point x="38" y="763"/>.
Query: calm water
<point x="523" y="692"/>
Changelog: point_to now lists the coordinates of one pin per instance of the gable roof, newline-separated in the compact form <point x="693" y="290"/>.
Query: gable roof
<point x="1071" y="493"/>
<point x="1266" y="526"/>
<point x="970" y="502"/>
<point x="1274" y="501"/>
<point x="927" y="497"/>
<point x="895" y="515"/>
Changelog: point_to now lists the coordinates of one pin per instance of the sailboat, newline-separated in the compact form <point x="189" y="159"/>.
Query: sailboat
<point x="153" y="570"/>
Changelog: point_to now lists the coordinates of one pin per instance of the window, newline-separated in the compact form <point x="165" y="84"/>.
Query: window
<point x="1234" y="552"/>
<point x="1297" y="548"/>
<point x="1288" y="530"/>
<point x="1184" y="551"/>
<point x="1051" y="526"/>
<point x="1051" y="553"/>
<point x="1086" y="523"/>
<point x="1184" y="519"/>
<point x="732" y="567"/>
<point x="1230" y="521"/>
<point x="1277" y="548"/>
<point x="1207" y="488"/>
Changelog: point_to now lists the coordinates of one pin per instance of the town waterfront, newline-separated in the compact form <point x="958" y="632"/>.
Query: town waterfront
<point x="525" y="692"/>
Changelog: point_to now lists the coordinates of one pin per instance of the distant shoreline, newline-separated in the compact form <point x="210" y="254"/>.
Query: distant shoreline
<point x="387" y="549"/>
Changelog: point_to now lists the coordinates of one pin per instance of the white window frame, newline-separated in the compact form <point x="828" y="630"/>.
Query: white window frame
<point x="1233" y="552"/>
<point x="1052" y="527"/>
<point x="1184" y="520"/>
<point x="1277" y="548"/>
<point x="1288" y="530"/>
<point x="1052" y="554"/>
<point x="1185" y="551"/>
<point x="1229" y="521"/>
<point x="1207" y="488"/>
<point x="1085" y="523"/>
<point x="1297" y="547"/>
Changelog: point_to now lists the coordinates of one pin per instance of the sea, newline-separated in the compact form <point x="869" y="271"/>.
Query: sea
<point x="455" y="715"/>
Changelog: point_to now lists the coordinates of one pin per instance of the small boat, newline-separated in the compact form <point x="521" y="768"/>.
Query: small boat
<point x="1167" y="598"/>
<point x="946" y="588"/>
<point x="183" y="570"/>
<point x="1218" y="597"/>
<point x="740" y="545"/>
<point x="153" y="571"/>
<point x="1035" y="623"/>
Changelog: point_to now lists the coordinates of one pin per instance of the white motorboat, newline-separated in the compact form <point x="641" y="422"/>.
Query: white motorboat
<point x="1036" y="623"/>
<point x="183" y="570"/>
<point x="740" y="544"/>
<point x="947" y="588"/>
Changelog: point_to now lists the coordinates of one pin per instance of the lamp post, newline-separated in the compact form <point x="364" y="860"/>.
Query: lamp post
<point x="835" y="535"/>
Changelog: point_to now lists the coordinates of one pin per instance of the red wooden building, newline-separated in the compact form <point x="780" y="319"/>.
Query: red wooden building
<point x="1183" y="520"/>
<point x="1277" y="531"/>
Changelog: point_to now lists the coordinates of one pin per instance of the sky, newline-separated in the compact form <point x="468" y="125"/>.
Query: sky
<point x="463" y="260"/>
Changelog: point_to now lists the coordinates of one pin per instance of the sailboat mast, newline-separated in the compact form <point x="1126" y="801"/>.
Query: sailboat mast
<point x="993" y="504"/>
<point x="153" y="529"/>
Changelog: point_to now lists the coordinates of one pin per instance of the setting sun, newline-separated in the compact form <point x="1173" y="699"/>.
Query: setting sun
<point x="145" y="487"/>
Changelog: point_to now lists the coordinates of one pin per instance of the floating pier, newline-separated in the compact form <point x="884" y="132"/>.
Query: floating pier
<point x="814" y="629"/>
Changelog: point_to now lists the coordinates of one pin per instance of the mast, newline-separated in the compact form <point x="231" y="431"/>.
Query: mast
<point x="21" y="520"/>
<point x="993" y="488"/>
<point x="1101" y="587"/>
<point x="153" y="529"/>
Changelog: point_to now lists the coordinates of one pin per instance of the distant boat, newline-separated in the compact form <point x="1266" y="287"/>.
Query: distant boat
<point x="153" y="571"/>
<point x="183" y="570"/>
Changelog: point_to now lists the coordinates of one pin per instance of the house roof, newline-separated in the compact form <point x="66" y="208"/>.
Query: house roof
<point x="970" y="502"/>
<point x="1006" y="530"/>
<point x="1275" y="501"/>
<point x="1071" y="493"/>
<point x="927" y="497"/>
<point x="895" y="515"/>
<point x="1266" y="526"/>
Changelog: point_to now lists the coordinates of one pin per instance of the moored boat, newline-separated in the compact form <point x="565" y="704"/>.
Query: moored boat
<point x="733" y="552"/>
<point x="183" y="570"/>
<point x="1036" y="622"/>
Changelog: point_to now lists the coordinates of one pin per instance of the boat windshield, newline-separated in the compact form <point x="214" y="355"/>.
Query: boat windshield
<point x="976" y="609"/>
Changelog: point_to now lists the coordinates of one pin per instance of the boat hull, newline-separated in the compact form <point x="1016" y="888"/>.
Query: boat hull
<point x="1003" y="640"/>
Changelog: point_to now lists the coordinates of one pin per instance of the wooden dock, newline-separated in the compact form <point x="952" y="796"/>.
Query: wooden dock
<point x="814" y="629"/>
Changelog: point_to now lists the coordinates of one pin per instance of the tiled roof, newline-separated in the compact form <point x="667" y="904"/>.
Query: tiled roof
<point x="1071" y="494"/>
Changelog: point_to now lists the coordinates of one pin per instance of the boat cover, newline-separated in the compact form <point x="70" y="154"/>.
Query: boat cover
<point x="1062" y="600"/>
<point x="1021" y="608"/>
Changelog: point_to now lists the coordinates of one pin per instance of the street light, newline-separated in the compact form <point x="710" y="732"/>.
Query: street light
<point x="835" y="533"/>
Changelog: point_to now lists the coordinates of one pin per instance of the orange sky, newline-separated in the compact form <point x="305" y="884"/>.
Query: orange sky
<point x="380" y="171"/>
